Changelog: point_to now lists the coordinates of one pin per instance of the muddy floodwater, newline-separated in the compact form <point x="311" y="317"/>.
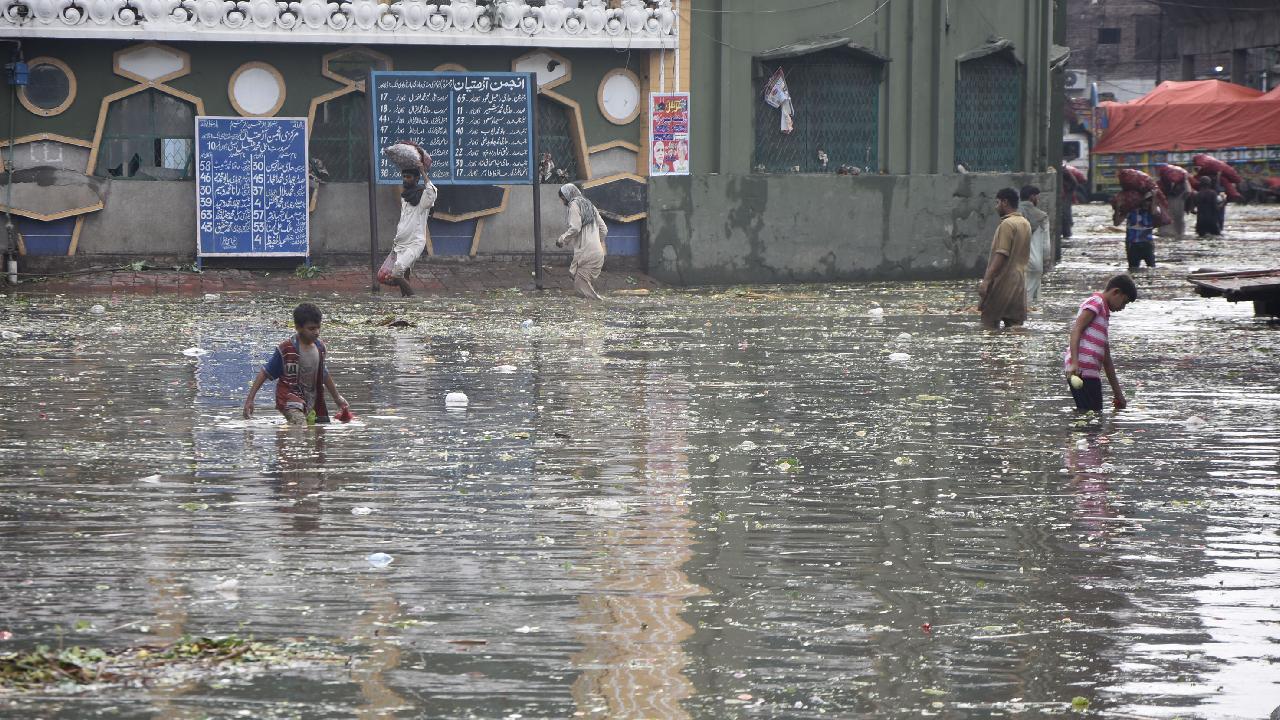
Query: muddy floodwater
<point x="776" y="502"/>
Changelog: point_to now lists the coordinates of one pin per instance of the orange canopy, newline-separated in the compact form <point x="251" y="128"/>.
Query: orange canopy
<point x="1172" y="92"/>
<point x="1195" y="115"/>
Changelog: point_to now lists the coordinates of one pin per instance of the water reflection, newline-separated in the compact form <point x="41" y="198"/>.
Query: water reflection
<point x="698" y="504"/>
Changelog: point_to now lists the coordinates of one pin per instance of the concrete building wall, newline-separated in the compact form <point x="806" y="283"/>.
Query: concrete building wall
<point x="720" y="229"/>
<point x="922" y="40"/>
<point x="914" y="215"/>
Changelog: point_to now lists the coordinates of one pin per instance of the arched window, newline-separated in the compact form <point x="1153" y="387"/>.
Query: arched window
<point x="836" y="98"/>
<point x="556" y="136"/>
<point x="149" y="135"/>
<point x="340" y="138"/>
<point x="989" y="113"/>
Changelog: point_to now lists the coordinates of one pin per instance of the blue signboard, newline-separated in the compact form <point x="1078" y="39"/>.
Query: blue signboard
<point x="251" y="186"/>
<point x="477" y="127"/>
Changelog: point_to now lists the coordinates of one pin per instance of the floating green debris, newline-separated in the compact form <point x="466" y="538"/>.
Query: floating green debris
<point x="1079" y="703"/>
<point x="43" y="667"/>
<point x="194" y="506"/>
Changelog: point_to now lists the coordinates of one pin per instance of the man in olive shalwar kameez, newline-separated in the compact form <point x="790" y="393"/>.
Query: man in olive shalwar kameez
<point x="1003" y="287"/>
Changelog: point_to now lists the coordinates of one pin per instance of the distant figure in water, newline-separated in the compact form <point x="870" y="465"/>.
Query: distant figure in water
<point x="1204" y="203"/>
<point x="298" y="368"/>
<point x="1088" y="354"/>
<point x="1003" y="288"/>
<point x="585" y="237"/>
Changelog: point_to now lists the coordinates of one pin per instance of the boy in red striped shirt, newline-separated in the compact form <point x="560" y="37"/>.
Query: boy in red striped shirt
<point x="1089" y="354"/>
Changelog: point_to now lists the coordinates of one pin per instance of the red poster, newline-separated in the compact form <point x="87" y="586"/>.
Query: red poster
<point x="669" y="134"/>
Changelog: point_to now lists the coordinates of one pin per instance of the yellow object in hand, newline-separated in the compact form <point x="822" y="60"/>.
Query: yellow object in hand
<point x="1076" y="382"/>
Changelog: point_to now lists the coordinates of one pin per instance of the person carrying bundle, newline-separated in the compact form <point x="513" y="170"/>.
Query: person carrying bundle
<point x="417" y="197"/>
<point x="1206" y="203"/>
<point x="1176" y="186"/>
<point x="1224" y="179"/>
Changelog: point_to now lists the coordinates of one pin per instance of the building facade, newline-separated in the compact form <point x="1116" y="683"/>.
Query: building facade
<point x="102" y="151"/>
<point x="906" y="117"/>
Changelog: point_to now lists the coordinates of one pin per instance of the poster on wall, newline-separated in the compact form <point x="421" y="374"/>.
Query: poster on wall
<point x="251" y="187"/>
<point x="669" y="134"/>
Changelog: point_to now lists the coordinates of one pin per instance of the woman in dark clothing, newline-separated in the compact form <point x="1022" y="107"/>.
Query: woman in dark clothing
<point x="1204" y="203"/>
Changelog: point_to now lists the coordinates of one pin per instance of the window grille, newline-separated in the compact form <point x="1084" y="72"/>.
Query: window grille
<point x="149" y="135"/>
<point x="340" y="138"/>
<point x="556" y="136"/>
<point x="836" y="98"/>
<point x="988" y="126"/>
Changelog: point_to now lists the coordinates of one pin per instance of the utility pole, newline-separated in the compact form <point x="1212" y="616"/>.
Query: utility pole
<point x="1160" y="47"/>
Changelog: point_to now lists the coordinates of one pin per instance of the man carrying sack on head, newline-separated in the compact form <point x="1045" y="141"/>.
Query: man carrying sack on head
<point x="417" y="196"/>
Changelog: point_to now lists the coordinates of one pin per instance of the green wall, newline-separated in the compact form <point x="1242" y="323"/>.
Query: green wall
<point x="922" y="39"/>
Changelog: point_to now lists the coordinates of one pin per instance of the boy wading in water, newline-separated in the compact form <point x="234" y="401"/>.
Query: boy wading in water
<point x="298" y="369"/>
<point x="1089" y="352"/>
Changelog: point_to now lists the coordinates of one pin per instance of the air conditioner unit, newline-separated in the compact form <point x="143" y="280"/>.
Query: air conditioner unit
<point x="1076" y="80"/>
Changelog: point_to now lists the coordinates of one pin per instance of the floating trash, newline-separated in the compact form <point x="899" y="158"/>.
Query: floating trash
<point x="903" y="337"/>
<point x="875" y="312"/>
<point x="379" y="559"/>
<point x="212" y="297"/>
<point x="505" y="369"/>
<point x="899" y="357"/>
<point x="195" y="352"/>
<point x="97" y="309"/>
<point x="361" y="510"/>
<point x="456" y="400"/>
<point x="9" y="335"/>
<point x="605" y="507"/>
<point x="1195" y="421"/>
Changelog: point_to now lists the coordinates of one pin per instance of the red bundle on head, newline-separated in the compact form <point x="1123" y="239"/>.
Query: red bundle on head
<point x="1171" y="175"/>
<point x="1210" y="164"/>
<point x="1132" y="179"/>
<point x="1126" y="200"/>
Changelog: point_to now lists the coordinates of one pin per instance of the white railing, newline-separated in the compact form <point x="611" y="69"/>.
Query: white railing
<point x="562" y="23"/>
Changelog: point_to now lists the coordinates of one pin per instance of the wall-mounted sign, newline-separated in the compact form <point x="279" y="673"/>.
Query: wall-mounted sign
<point x="477" y="127"/>
<point x="669" y="134"/>
<point x="251" y="187"/>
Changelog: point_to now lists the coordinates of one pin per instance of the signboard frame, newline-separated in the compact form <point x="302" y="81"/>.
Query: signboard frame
<point x="306" y="160"/>
<point x="533" y="90"/>
<point x="377" y="139"/>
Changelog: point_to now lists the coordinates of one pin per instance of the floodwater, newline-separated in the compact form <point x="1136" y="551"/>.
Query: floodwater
<point x="714" y="504"/>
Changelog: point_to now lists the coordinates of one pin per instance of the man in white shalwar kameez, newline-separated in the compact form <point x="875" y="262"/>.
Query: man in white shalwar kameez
<point x="417" y="197"/>
<point x="1029" y="208"/>
<point x="585" y="237"/>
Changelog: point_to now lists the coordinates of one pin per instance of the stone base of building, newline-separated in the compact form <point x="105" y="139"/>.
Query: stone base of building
<point x="726" y="229"/>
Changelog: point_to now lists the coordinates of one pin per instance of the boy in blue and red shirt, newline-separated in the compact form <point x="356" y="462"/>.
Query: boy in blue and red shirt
<point x="301" y="378"/>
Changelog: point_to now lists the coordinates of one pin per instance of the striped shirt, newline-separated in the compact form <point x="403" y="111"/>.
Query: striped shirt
<point x="1093" y="341"/>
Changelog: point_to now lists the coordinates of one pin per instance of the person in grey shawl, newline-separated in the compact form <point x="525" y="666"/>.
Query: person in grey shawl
<point x="585" y="237"/>
<point x="1029" y="208"/>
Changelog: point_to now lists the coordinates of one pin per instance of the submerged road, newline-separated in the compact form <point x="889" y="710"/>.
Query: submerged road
<point x="775" y="502"/>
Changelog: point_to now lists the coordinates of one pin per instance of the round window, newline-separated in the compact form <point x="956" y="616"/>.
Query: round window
<point x="50" y="88"/>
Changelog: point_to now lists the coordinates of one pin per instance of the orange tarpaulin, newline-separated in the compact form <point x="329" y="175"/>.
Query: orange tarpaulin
<point x="1195" y="115"/>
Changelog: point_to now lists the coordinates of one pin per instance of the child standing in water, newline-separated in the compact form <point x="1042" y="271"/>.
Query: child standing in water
<point x="1089" y="351"/>
<point x="298" y="369"/>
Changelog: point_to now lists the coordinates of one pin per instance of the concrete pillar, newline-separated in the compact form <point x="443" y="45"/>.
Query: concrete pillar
<point x="1188" y="67"/>
<point x="1239" y="66"/>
